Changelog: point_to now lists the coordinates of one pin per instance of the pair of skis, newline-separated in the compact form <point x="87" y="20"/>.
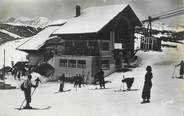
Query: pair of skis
<point x="44" y="108"/>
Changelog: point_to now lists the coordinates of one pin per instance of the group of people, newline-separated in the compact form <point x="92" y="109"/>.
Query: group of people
<point x="18" y="73"/>
<point x="99" y="77"/>
<point x="78" y="80"/>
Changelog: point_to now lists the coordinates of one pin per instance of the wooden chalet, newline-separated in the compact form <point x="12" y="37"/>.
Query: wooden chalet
<point x="96" y="38"/>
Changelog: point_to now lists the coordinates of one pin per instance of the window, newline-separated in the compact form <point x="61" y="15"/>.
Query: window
<point x="81" y="64"/>
<point x="105" y="46"/>
<point x="63" y="63"/>
<point x="72" y="63"/>
<point x="105" y="64"/>
<point x="118" y="46"/>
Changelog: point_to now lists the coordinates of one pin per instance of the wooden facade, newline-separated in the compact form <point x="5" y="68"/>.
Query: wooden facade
<point x="88" y="52"/>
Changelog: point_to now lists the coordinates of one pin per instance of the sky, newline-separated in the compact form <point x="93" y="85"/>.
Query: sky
<point x="64" y="9"/>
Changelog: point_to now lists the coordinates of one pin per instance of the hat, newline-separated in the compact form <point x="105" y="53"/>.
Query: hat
<point x="29" y="76"/>
<point x="148" y="68"/>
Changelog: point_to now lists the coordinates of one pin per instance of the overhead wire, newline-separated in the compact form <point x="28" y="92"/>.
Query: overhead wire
<point x="165" y="15"/>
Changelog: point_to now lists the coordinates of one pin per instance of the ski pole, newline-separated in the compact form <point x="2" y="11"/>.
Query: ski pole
<point x="76" y="88"/>
<point x="120" y="86"/>
<point x="173" y="72"/>
<point x="123" y="86"/>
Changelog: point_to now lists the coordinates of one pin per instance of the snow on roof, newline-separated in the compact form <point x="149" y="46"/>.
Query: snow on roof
<point x="57" y="22"/>
<point x="91" y="19"/>
<point x="10" y="34"/>
<point x="38" y="40"/>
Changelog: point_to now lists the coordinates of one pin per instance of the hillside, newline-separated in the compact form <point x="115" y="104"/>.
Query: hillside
<point x="22" y="27"/>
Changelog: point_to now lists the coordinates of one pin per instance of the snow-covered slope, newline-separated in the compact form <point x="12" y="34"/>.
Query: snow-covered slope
<point x="166" y="94"/>
<point x="163" y="27"/>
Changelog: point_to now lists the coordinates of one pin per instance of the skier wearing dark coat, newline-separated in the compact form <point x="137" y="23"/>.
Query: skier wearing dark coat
<point x="27" y="91"/>
<point x="147" y="85"/>
<point x="181" y="64"/>
<point x="76" y="80"/>
<point x="80" y="80"/>
<point x="101" y="78"/>
<point x="62" y="81"/>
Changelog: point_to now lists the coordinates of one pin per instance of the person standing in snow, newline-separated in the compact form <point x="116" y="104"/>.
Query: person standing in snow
<point x="147" y="85"/>
<point x="62" y="80"/>
<point x="80" y="80"/>
<point x="101" y="79"/>
<point x="14" y="73"/>
<point x="83" y="78"/>
<point x="76" y="80"/>
<point x="18" y="76"/>
<point x="27" y="91"/>
<point x="181" y="64"/>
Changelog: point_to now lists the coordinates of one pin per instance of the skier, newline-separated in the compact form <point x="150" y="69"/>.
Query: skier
<point x="129" y="82"/>
<point x="147" y="85"/>
<point x="101" y="78"/>
<point x="83" y="78"/>
<point x="27" y="90"/>
<point x="18" y="75"/>
<point x="62" y="80"/>
<point x="14" y="72"/>
<point x="80" y="80"/>
<point x="76" y="80"/>
<point x="181" y="64"/>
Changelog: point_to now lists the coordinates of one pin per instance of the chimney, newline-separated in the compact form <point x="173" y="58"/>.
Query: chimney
<point x="78" y="10"/>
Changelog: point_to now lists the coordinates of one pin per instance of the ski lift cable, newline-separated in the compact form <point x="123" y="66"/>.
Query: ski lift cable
<point x="174" y="13"/>
<point x="169" y="12"/>
<point x="166" y="15"/>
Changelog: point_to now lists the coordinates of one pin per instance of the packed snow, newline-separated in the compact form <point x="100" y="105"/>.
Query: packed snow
<point x="166" y="95"/>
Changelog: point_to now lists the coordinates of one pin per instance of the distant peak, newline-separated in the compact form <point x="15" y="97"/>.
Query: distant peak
<point x="25" y="21"/>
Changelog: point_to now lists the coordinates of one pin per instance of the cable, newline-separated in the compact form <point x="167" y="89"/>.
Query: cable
<point x="166" y="15"/>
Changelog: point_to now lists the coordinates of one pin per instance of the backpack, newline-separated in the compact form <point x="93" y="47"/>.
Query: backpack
<point x="22" y="87"/>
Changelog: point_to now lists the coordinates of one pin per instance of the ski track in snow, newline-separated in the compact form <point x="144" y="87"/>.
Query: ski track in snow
<point x="166" y="95"/>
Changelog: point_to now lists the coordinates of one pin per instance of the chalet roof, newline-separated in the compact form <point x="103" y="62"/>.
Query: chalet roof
<point x="37" y="41"/>
<point x="91" y="20"/>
